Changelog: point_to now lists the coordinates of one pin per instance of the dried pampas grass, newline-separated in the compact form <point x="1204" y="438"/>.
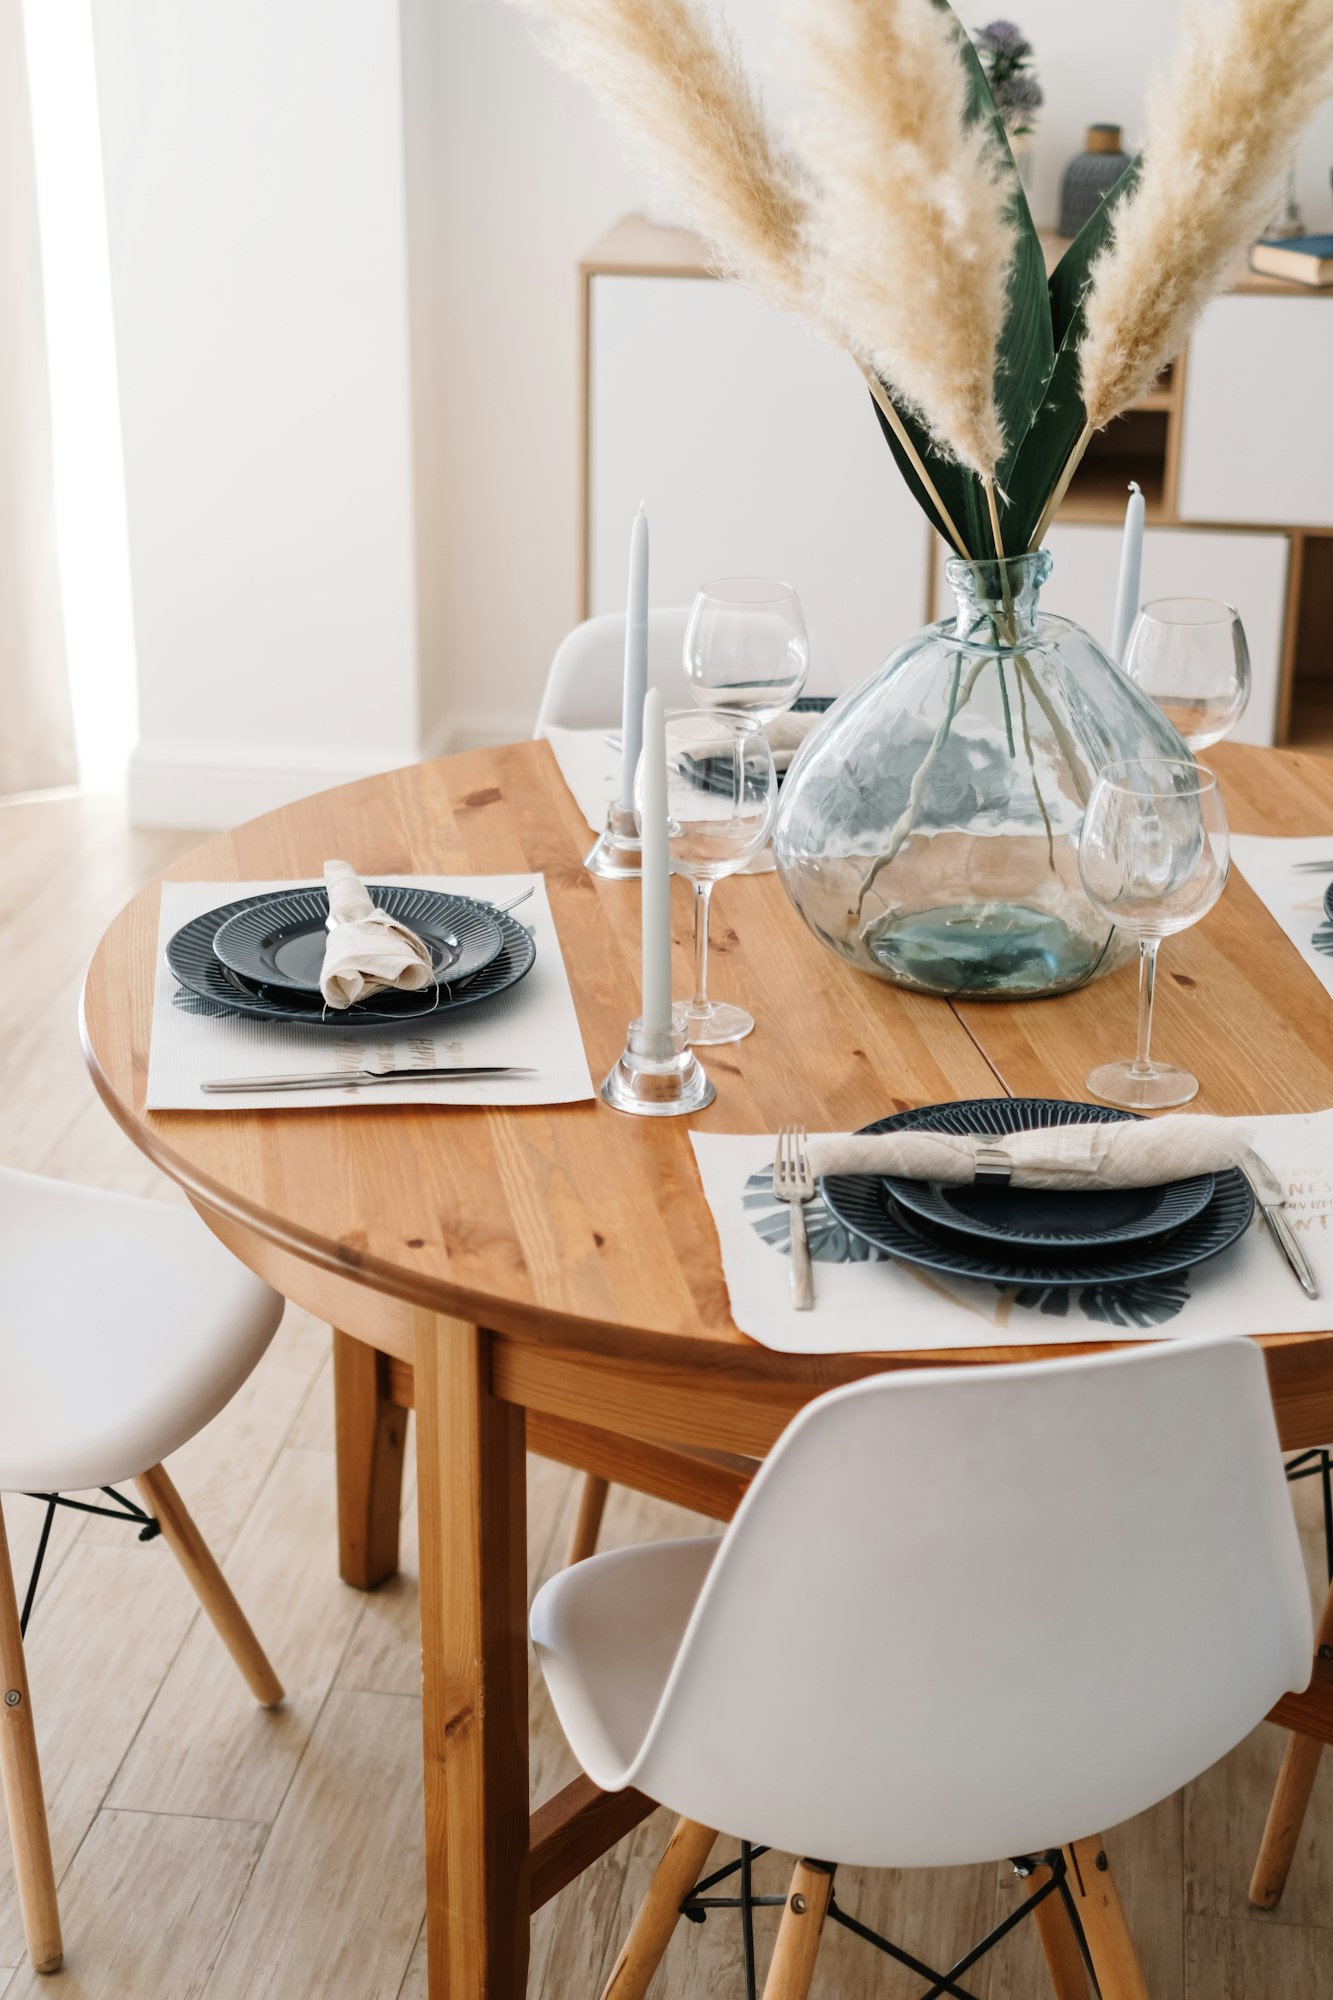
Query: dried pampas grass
<point x="673" y="83"/>
<point x="1222" y="126"/>
<point x="911" y="239"/>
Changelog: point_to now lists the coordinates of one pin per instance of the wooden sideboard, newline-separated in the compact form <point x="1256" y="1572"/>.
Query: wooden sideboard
<point x="752" y="443"/>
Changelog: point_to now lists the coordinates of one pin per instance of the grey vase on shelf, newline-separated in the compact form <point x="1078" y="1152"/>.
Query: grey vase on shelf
<point x="928" y="830"/>
<point x="1090" y="176"/>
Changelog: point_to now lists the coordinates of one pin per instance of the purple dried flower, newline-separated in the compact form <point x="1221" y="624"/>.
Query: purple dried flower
<point x="1003" y="38"/>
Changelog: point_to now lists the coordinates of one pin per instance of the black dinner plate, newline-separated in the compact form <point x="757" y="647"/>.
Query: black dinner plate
<point x="280" y="940"/>
<point x="716" y="774"/>
<point x="1044" y="1219"/>
<point x="1328" y="902"/>
<point x="191" y="959"/>
<point x="864" y="1204"/>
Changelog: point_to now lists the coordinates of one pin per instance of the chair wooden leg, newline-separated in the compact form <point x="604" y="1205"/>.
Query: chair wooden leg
<point x="210" y="1586"/>
<point x="1110" y="1946"/>
<point x="681" y="1865"/>
<point x="793" y="1964"/>
<point x="1286" y="1817"/>
<point x="1291" y="1797"/>
<point x="372" y="1435"/>
<point x="1064" y="1960"/>
<point x="587" y="1526"/>
<point x="22" y="1778"/>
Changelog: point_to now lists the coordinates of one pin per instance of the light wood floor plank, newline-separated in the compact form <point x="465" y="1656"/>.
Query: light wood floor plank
<point x="146" y="1906"/>
<point x="1257" y="1961"/>
<point x="334" y="1906"/>
<point x="97" y="1651"/>
<point x="414" y="1979"/>
<point x="206" y="1748"/>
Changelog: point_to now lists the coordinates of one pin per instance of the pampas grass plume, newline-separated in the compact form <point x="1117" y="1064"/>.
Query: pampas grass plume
<point x="1222" y="126"/>
<point x="673" y="84"/>
<point x="911" y="238"/>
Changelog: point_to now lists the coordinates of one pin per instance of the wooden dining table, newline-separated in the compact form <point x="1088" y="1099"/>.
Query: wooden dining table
<point x="550" y="1278"/>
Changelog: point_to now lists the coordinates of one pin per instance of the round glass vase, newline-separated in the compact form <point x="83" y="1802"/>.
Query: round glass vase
<point x="928" y="830"/>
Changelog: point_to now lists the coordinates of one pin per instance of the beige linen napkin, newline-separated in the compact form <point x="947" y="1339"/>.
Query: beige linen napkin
<point x="368" y="950"/>
<point x="1128" y="1153"/>
<point x="786" y="733"/>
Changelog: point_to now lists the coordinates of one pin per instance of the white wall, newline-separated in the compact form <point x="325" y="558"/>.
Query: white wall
<point x="254" y="164"/>
<point x="532" y="176"/>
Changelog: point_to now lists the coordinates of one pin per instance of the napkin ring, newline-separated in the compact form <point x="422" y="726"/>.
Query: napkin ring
<point x="994" y="1168"/>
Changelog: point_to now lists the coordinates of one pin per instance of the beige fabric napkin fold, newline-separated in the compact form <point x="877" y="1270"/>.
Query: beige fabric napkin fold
<point x="787" y="732"/>
<point x="368" y="950"/>
<point x="1128" y="1153"/>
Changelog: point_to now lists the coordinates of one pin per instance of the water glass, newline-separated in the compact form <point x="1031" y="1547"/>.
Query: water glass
<point x="1189" y="654"/>
<point x="746" y="647"/>
<point x="1153" y="856"/>
<point x="721" y="796"/>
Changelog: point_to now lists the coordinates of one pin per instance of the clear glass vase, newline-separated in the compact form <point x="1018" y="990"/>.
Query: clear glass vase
<point x="928" y="829"/>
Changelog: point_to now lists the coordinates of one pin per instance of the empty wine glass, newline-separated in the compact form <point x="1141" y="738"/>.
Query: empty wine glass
<point x="746" y="647"/>
<point x="721" y="796"/>
<point x="1153" y="855"/>
<point x="1189" y="654"/>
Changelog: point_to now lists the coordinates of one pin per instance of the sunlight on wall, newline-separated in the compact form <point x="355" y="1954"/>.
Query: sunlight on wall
<point x="85" y="412"/>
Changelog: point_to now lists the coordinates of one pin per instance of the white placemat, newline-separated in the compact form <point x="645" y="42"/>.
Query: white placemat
<point x="591" y="769"/>
<point x="865" y="1302"/>
<point x="1289" y="877"/>
<point x="533" y="1024"/>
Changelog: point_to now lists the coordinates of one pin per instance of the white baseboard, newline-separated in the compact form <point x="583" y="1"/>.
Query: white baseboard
<point x="480" y="729"/>
<point x="184" y="787"/>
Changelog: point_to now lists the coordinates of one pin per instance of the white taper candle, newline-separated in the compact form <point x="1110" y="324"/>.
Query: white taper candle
<point x="636" y="657"/>
<point x="1131" y="568"/>
<point x="655" y="863"/>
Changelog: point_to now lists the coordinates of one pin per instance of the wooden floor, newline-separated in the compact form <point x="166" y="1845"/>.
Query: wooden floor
<point x="207" y="1849"/>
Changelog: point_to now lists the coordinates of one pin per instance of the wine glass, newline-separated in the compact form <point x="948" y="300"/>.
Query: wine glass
<point x="1189" y="654"/>
<point x="1153" y="855"/>
<point x="722" y="793"/>
<point x="746" y="647"/>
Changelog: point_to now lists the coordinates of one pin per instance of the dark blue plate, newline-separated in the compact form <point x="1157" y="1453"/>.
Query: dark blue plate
<point x="1043" y="1219"/>
<point x="864" y="1204"/>
<point x="190" y="957"/>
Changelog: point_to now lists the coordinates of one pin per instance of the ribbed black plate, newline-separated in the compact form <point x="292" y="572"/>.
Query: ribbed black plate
<point x="1043" y="1219"/>
<point x="280" y="940"/>
<point x="190" y="957"/>
<point x="864" y="1205"/>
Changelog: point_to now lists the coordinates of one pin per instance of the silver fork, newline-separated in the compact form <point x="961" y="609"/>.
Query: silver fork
<point x="794" y="1184"/>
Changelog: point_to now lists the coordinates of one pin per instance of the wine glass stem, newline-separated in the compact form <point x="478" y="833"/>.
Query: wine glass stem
<point x="703" y="891"/>
<point x="1147" y="986"/>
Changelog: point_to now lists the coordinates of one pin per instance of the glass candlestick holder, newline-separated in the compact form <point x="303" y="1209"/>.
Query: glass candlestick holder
<point x="657" y="1075"/>
<point x="616" y="854"/>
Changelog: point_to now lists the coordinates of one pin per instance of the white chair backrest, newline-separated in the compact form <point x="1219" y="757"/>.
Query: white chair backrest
<point x="587" y="677"/>
<point x="978" y="1612"/>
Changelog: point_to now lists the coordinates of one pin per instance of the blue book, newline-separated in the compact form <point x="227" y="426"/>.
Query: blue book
<point x="1303" y="260"/>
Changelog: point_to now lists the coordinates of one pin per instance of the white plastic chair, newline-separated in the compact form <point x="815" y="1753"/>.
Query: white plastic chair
<point x="960" y="1614"/>
<point x="584" y="685"/>
<point x="124" y="1328"/>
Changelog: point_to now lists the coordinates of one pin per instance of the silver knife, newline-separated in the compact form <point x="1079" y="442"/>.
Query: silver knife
<point x="337" y="1078"/>
<point x="1268" y="1193"/>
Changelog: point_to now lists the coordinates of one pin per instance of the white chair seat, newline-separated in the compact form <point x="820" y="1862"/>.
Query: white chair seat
<point x="606" y="1640"/>
<point x="124" y="1328"/>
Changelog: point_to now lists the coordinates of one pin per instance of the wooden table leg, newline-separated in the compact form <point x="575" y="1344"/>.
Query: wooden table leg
<point x="371" y="1433"/>
<point x="471" y="1507"/>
